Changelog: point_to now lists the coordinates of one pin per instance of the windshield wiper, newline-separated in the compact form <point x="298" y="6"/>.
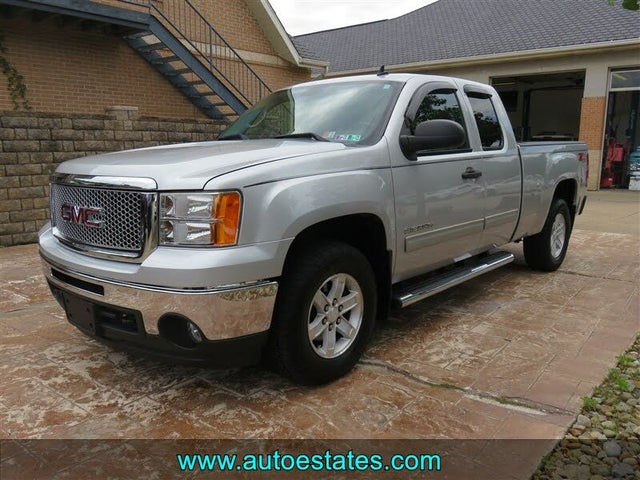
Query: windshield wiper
<point x="312" y="135"/>
<point x="235" y="136"/>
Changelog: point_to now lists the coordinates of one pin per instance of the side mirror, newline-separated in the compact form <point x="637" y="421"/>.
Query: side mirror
<point x="433" y="135"/>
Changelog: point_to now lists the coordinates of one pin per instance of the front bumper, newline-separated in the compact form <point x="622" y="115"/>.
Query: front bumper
<point x="232" y="319"/>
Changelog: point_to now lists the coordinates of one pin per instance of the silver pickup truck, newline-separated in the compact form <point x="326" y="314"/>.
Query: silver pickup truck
<point x="319" y="209"/>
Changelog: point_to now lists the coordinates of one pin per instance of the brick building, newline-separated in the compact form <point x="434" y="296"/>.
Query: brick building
<point x="107" y="75"/>
<point x="565" y="69"/>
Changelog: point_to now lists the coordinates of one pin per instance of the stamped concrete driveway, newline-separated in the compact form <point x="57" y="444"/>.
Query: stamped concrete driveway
<point x="508" y="355"/>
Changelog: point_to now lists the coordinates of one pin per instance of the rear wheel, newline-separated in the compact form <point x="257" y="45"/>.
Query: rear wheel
<point x="546" y="250"/>
<point x="325" y="313"/>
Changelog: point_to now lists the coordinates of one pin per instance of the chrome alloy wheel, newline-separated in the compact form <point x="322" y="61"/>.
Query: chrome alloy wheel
<point x="558" y="235"/>
<point x="335" y="315"/>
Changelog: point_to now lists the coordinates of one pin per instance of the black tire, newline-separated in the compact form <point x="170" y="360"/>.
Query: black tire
<point x="546" y="250"/>
<point x="323" y="265"/>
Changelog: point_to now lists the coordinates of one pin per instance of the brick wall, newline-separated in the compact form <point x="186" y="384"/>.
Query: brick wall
<point x="33" y="144"/>
<point x="70" y="70"/>
<point x="276" y="78"/>
<point x="234" y="21"/>
<point x="591" y="132"/>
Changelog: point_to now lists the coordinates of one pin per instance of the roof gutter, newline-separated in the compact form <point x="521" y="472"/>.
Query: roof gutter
<point x="277" y="35"/>
<point x="498" y="57"/>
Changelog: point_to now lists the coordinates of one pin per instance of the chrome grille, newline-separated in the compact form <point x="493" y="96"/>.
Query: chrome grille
<point x="122" y="218"/>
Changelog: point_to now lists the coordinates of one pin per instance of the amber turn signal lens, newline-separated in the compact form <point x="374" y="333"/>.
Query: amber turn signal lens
<point x="226" y="211"/>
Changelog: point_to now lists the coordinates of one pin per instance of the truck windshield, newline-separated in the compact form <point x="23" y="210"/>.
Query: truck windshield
<point x="353" y="113"/>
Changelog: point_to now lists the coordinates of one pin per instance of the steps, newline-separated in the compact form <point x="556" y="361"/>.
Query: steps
<point x="201" y="64"/>
<point x="182" y="71"/>
<point x="409" y="292"/>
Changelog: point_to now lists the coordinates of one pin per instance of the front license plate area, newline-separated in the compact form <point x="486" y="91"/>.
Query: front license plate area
<point x="80" y="313"/>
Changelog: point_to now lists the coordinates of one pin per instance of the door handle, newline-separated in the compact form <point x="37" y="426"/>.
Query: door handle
<point x="470" y="172"/>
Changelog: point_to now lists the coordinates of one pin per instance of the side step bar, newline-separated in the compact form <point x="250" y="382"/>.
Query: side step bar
<point x="412" y="293"/>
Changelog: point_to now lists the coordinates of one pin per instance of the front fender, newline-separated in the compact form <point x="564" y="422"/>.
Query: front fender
<point x="282" y="209"/>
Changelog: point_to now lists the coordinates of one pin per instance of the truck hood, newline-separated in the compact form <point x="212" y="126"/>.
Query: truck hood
<point x="189" y="166"/>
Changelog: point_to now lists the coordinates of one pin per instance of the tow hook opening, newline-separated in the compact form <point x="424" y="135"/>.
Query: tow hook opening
<point x="180" y="331"/>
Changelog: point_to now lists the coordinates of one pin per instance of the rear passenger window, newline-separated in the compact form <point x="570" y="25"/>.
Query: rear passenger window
<point x="439" y="105"/>
<point x="487" y="122"/>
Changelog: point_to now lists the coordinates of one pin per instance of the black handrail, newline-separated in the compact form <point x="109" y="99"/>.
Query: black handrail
<point x="186" y="22"/>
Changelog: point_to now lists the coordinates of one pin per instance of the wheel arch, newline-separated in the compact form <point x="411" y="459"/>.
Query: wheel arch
<point x="567" y="190"/>
<point x="363" y="231"/>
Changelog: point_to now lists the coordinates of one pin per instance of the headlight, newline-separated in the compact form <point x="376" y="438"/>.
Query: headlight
<point x="200" y="218"/>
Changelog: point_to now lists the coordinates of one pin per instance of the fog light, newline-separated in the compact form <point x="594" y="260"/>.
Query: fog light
<point x="194" y="332"/>
<point x="180" y="331"/>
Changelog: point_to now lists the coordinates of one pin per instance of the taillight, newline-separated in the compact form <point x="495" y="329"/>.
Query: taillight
<point x="581" y="158"/>
<point x="587" y="179"/>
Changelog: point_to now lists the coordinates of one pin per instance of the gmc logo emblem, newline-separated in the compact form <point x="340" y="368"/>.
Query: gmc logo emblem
<point x="81" y="215"/>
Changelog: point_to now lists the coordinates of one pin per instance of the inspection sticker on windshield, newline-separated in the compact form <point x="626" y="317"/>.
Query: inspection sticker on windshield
<point x="342" y="138"/>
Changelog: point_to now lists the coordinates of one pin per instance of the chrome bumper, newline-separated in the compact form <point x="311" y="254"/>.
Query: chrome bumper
<point x="220" y="313"/>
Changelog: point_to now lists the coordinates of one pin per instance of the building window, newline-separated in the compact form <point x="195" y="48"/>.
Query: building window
<point x="625" y="80"/>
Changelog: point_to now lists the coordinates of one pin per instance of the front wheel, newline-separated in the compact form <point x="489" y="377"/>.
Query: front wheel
<point x="546" y="250"/>
<point x="325" y="313"/>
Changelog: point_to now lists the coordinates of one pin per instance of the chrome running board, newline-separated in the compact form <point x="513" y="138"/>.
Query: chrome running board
<point x="409" y="293"/>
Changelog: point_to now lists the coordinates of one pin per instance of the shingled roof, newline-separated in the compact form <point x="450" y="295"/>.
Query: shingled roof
<point x="452" y="29"/>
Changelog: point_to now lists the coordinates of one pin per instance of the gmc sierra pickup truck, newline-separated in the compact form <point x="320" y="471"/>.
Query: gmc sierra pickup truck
<point x="320" y="208"/>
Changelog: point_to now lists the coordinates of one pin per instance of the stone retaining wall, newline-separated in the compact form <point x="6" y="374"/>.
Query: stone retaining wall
<point x="32" y="145"/>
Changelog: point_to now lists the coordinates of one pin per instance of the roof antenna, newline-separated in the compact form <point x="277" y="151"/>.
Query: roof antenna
<point x="382" y="72"/>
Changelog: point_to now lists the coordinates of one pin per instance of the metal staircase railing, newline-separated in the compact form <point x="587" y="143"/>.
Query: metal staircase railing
<point x="197" y="34"/>
<point x="188" y="24"/>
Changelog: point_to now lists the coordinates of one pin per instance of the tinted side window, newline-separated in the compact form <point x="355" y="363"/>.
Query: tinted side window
<point x="487" y="122"/>
<point x="439" y="105"/>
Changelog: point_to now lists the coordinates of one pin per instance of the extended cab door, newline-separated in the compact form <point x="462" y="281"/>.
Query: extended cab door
<point x="499" y="164"/>
<point x="439" y="199"/>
